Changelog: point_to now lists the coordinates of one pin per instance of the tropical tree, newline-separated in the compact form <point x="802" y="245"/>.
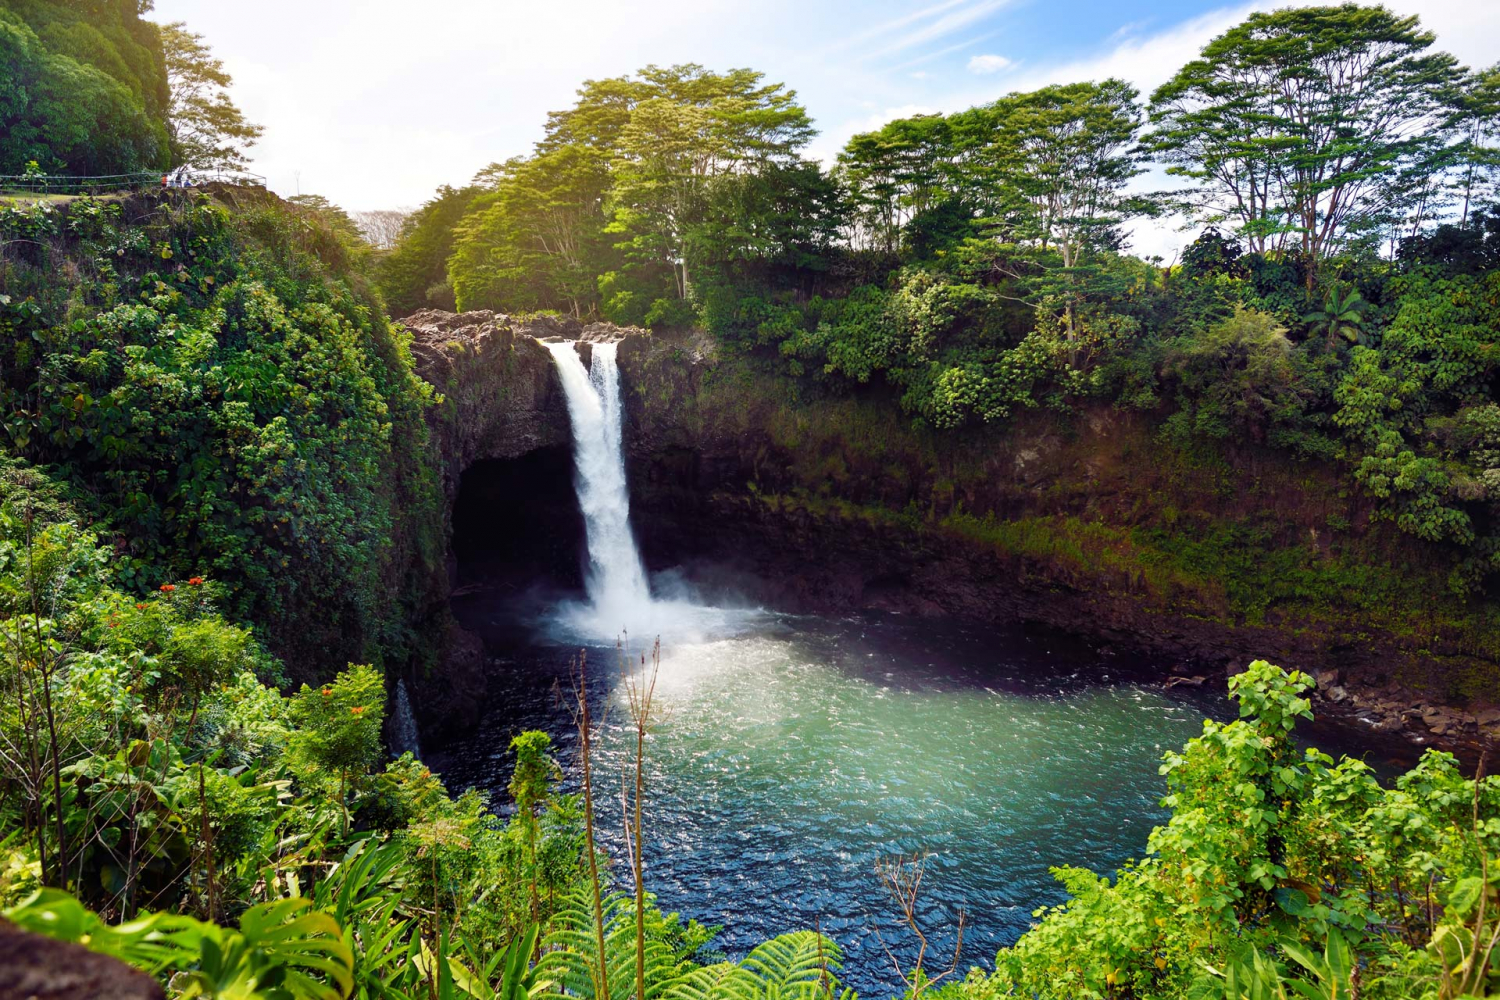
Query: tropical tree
<point x="414" y="275"/>
<point x="340" y="726"/>
<point x="895" y="173"/>
<point x="531" y="786"/>
<point x="687" y="127"/>
<point x="66" y="114"/>
<point x="207" y="129"/>
<point x="1342" y="315"/>
<point x="1289" y="123"/>
<point x="537" y="239"/>
<point x="1479" y="119"/>
<point x="1059" y="160"/>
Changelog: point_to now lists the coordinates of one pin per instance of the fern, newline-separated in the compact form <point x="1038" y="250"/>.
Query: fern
<point x="802" y="965"/>
<point x="571" y="957"/>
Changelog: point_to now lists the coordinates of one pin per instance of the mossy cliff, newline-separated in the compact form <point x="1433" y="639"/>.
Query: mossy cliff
<point x="1089" y="523"/>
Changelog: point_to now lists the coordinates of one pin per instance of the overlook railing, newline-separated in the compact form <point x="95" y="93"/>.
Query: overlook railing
<point x="182" y="177"/>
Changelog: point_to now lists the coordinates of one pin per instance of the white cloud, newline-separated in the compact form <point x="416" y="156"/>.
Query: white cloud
<point x="401" y="103"/>
<point x="987" y="64"/>
<point x="941" y="27"/>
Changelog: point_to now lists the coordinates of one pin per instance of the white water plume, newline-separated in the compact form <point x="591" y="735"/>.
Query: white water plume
<point x="619" y="596"/>
<point x="616" y="579"/>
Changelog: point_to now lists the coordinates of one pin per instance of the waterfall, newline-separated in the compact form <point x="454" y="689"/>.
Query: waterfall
<point x="403" y="724"/>
<point x="616" y="578"/>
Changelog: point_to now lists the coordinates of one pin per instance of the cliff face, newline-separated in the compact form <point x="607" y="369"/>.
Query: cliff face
<point x="1087" y="523"/>
<point x="500" y="399"/>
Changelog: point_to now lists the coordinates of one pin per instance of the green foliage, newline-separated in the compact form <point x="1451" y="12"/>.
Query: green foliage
<point x="227" y="390"/>
<point x="1240" y="378"/>
<point x="1342" y="316"/>
<point x="339" y="723"/>
<point x="414" y="275"/>
<point x="1276" y="875"/>
<point x="82" y="94"/>
<point x="281" y="951"/>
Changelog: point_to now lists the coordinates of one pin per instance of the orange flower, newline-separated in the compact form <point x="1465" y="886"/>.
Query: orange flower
<point x="195" y="581"/>
<point x="167" y="588"/>
<point x="357" y="710"/>
<point x="140" y="607"/>
<point x="328" y="692"/>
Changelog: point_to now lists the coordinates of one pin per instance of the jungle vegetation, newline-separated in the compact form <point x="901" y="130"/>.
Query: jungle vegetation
<point x="1338" y="303"/>
<point x="214" y="447"/>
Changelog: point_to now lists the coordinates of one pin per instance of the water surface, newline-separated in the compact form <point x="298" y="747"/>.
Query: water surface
<point x="795" y="753"/>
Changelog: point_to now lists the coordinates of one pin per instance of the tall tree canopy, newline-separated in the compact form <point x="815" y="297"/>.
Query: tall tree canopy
<point x="415" y="274"/>
<point x="207" y="130"/>
<point x="81" y="92"/>
<point x="626" y="188"/>
<point x="1293" y="122"/>
<point x="1059" y="161"/>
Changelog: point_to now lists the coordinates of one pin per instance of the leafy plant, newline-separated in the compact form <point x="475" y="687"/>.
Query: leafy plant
<point x="1342" y="316"/>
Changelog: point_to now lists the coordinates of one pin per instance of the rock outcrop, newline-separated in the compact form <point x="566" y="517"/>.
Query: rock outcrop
<point x="837" y="503"/>
<point x="500" y="399"/>
<point x="33" y="967"/>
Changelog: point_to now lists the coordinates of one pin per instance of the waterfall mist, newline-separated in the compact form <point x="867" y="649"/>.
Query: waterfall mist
<point x="619" y="595"/>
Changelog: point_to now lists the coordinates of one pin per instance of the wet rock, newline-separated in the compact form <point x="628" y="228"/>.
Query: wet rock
<point x="1337" y="694"/>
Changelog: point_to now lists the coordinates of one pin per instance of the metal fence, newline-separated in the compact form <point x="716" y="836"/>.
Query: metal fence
<point x="182" y="177"/>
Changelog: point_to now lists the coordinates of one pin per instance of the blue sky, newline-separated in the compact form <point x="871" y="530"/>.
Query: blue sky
<point x="374" y="103"/>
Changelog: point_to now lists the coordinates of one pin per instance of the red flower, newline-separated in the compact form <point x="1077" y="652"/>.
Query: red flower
<point x="195" y="581"/>
<point x="140" y="607"/>
<point x="167" y="588"/>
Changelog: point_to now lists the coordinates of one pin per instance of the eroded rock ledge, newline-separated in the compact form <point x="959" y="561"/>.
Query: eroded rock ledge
<point x="835" y="504"/>
<point x="500" y="399"/>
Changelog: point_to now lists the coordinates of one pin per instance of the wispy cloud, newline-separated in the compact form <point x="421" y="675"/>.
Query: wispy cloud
<point x="987" y="64"/>
<point x="928" y="57"/>
<point x="896" y="23"/>
<point x="948" y="19"/>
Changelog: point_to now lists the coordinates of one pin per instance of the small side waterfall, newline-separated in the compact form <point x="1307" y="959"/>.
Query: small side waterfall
<point x="403" y="725"/>
<point x="616" y="578"/>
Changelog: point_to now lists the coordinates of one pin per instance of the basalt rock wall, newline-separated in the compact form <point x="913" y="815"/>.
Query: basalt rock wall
<point x="499" y="397"/>
<point x="771" y="489"/>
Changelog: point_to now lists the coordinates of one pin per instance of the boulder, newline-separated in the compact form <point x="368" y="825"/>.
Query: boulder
<point x="33" y="967"/>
